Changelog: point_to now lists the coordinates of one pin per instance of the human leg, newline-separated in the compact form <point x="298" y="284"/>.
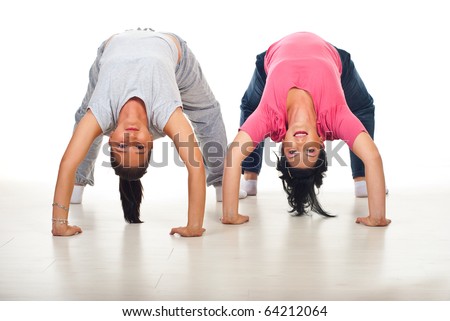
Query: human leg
<point x="251" y="166"/>
<point x="204" y="113"/>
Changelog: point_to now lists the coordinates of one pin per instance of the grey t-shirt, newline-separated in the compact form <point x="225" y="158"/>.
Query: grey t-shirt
<point x="137" y="63"/>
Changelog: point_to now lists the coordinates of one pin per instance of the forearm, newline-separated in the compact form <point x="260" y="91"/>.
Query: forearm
<point x="365" y="149"/>
<point x="241" y="147"/>
<point x="82" y="138"/>
<point x="61" y="199"/>
<point x="196" y="196"/>
<point x="376" y="188"/>
<point x="230" y="186"/>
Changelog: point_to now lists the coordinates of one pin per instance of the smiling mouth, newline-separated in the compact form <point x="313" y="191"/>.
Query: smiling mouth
<point x="132" y="129"/>
<point x="300" y="133"/>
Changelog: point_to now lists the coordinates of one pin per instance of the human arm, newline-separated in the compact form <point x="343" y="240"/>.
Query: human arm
<point x="365" y="148"/>
<point x="180" y="131"/>
<point x="82" y="138"/>
<point x="239" y="149"/>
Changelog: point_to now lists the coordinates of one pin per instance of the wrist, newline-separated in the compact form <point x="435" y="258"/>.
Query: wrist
<point x="195" y="226"/>
<point x="58" y="228"/>
<point x="60" y="221"/>
<point x="230" y="214"/>
<point x="377" y="218"/>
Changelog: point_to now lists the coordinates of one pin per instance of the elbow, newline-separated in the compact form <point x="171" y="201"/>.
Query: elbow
<point x="67" y="165"/>
<point x="196" y="168"/>
<point x="373" y="158"/>
<point x="235" y="156"/>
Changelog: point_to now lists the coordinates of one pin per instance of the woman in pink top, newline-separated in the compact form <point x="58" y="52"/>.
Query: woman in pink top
<point x="303" y="104"/>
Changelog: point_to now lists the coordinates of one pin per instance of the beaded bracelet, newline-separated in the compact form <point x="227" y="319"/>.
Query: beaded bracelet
<point x="60" y="220"/>
<point x="61" y="206"/>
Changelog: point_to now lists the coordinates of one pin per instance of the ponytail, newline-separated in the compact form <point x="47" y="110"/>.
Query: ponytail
<point x="130" y="188"/>
<point x="131" y="197"/>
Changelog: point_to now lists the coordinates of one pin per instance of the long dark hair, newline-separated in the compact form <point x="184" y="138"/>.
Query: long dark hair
<point x="300" y="184"/>
<point x="130" y="188"/>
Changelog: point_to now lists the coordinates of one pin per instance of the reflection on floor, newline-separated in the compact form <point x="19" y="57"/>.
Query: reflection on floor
<point x="273" y="257"/>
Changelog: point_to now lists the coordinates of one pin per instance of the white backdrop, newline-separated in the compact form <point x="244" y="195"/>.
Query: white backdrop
<point x="400" y="49"/>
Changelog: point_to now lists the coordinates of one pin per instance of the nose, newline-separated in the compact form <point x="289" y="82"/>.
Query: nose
<point x="292" y="144"/>
<point x="129" y="136"/>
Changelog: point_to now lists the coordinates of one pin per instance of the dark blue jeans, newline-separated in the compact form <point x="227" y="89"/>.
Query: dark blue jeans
<point x="356" y="95"/>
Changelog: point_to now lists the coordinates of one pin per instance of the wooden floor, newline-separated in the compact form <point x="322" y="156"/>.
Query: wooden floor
<point x="273" y="257"/>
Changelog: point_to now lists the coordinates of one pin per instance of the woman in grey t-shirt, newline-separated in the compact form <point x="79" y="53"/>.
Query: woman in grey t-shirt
<point x="142" y="86"/>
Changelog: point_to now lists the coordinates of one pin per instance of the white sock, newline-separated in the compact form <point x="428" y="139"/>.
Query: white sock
<point x="77" y="194"/>
<point x="242" y="194"/>
<point x="250" y="186"/>
<point x="360" y="189"/>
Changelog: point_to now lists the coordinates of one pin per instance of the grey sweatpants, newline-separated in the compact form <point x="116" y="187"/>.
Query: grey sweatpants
<point x="199" y="104"/>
